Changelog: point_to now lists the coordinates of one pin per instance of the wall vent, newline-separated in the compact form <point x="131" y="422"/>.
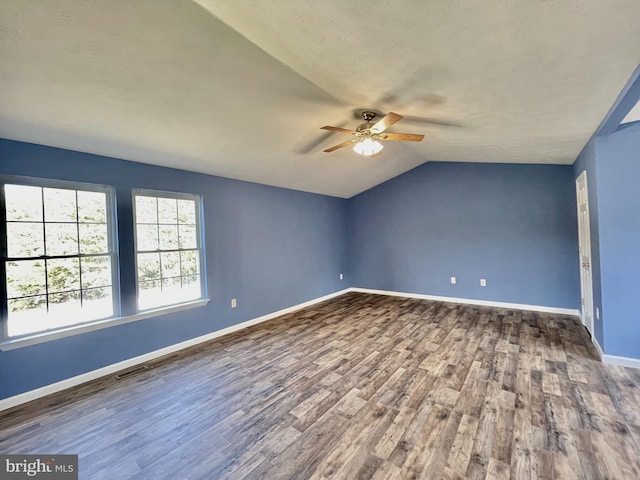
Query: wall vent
<point x="131" y="372"/>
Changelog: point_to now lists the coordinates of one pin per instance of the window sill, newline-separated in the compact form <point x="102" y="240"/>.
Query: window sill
<point x="42" y="337"/>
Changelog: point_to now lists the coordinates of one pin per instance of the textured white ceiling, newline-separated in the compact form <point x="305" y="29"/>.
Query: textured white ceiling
<point x="239" y="88"/>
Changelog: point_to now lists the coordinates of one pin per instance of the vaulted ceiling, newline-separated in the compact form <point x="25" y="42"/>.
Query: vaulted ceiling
<point x="240" y="88"/>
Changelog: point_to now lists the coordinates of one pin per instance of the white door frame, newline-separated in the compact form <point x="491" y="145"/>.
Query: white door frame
<point x="584" y="246"/>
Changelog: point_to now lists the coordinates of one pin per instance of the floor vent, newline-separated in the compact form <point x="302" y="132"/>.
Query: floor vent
<point x="131" y="372"/>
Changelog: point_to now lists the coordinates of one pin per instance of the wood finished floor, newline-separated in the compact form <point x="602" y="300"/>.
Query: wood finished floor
<point x="361" y="386"/>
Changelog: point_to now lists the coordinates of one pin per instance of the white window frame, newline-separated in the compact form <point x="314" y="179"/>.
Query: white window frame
<point x="199" y="246"/>
<point x="112" y="251"/>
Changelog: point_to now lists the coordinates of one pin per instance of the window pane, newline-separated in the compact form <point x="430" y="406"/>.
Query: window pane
<point x="61" y="238"/>
<point x="93" y="238"/>
<point x="146" y="210"/>
<point x="47" y="293"/>
<point x="25" y="278"/>
<point x="27" y="315"/>
<point x="97" y="303"/>
<point x="170" y="264"/>
<point x="63" y="274"/>
<point x="172" y="291"/>
<point x="168" y="237"/>
<point x="59" y="301"/>
<point x="167" y="210"/>
<point x="25" y="239"/>
<point x="92" y="207"/>
<point x="149" y="295"/>
<point x="147" y="237"/>
<point x="174" y="233"/>
<point x="187" y="212"/>
<point x="173" y="284"/>
<point x="96" y="271"/>
<point x="190" y="263"/>
<point x="188" y="236"/>
<point x="23" y="203"/>
<point x="148" y="266"/>
<point x="59" y="205"/>
<point x="191" y="287"/>
<point x="65" y="309"/>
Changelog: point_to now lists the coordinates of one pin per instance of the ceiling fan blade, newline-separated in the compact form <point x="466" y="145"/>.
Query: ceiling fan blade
<point x="385" y="122"/>
<point x="336" y="147"/>
<point x="403" y="137"/>
<point x="336" y="129"/>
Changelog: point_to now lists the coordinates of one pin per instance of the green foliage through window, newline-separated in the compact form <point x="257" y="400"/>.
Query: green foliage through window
<point x="168" y="249"/>
<point x="59" y="260"/>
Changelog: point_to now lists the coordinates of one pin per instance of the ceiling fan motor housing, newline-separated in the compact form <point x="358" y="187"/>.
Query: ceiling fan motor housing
<point x="364" y="129"/>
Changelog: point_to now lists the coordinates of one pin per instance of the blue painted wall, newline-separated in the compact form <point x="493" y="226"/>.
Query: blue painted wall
<point x="586" y="161"/>
<point x="514" y="225"/>
<point x="618" y="177"/>
<point x="270" y="248"/>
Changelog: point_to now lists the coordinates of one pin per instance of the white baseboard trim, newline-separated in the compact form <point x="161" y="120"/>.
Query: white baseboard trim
<point x="623" y="361"/>
<point x="116" y="367"/>
<point x="594" y="340"/>
<point x="468" y="301"/>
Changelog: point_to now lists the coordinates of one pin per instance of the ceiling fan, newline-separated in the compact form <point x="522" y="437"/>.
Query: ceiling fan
<point x="368" y="134"/>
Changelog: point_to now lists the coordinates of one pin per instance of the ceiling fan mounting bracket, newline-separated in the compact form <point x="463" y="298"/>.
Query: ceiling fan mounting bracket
<point x="369" y="115"/>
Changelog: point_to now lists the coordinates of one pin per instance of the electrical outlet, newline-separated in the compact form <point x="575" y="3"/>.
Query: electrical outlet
<point x="483" y="282"/>
<point x="453" y="280"/>
<point x="234" y="303"/>
<point x="341" y="277"/>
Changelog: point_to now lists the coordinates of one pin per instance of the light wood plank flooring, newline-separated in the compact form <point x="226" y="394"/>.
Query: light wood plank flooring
<point x="362" y="386"/>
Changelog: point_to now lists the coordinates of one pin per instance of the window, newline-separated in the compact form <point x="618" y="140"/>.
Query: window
<point x="169" y="254"/>
<point x="58" y="255"/>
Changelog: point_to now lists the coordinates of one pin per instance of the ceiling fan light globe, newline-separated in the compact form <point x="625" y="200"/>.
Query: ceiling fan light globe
<point x="367" y="147"/>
